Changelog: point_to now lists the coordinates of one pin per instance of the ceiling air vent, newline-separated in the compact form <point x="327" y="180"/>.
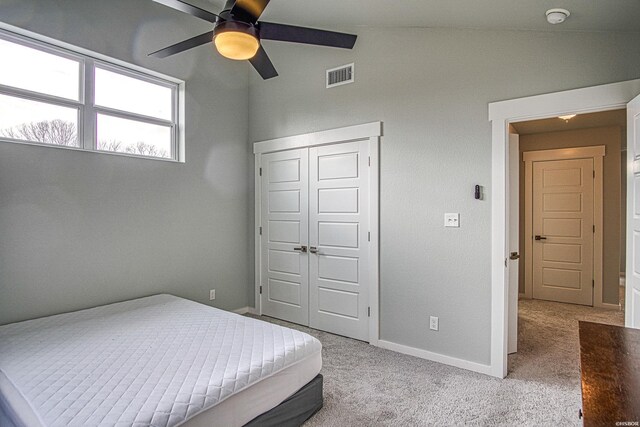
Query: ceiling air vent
<point x="340" y="76"/>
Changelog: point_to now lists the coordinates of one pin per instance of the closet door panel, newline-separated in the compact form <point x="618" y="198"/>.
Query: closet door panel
<point x="338" y="238"/>
<point x="285" y="225"/>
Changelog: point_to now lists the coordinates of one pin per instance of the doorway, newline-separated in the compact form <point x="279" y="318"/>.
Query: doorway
<point x="566" y="168"/>
<point x="502" y="114"/>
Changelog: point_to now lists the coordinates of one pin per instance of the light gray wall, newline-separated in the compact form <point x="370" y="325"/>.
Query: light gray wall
<point x="81" y="229"/>
<point x="431" y="88"/>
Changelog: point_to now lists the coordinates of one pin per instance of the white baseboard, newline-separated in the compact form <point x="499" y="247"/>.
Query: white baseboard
<point x="608" y="306"/>
<point x="245" y="310"/>
<point x="436" y="357"/>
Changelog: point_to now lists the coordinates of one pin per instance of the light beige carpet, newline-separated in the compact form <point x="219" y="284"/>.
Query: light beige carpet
<point x="369" y="386"/>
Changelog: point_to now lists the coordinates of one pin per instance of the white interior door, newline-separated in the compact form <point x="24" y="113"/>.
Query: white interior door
<point x="632" y="304"/>
<point x="285" y="224"/>
<point x="514" y="239"/>
<point x="563" y="227"/>
<point x="338" y="238"/>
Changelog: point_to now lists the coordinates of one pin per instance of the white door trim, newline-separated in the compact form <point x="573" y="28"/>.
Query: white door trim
<point x="514" y="242"/>
<point x="371" y="131"/>
<point x="344" y="134"/>
<point x="632" y="315"/>
<point x="592" y="99"/>
<point x="596" y="153"/>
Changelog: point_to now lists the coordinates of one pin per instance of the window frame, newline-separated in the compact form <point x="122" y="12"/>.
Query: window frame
<point x="87" y="110"/>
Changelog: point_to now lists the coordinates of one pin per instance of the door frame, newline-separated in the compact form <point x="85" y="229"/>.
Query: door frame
<point x="371" y="131"/>
<point x="631" y="318"/>
<point x="514" y="241"/>
<point x="596" y="153"/>
<point x="501" y="114"/>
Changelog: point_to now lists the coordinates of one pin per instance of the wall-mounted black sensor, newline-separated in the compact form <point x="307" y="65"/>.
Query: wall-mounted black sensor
<point x="478" y="193"/>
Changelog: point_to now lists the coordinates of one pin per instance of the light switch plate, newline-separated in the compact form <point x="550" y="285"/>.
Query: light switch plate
<point x="434" y="323"/>
<point x="452" y="220"/>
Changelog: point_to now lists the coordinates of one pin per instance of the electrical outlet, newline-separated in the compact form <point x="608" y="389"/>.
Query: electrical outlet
<point x="212" y="294"/>
<point x="452" y="220"/>
<point x="433" y="323"/>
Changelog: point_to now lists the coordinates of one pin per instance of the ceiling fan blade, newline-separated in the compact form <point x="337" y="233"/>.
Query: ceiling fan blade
<point x="190" y="9"/>
<point x="249" y="8"/>
<point x="290" y="33"/>
<point x="183" y="45"/>
<point x="263" y="64"/>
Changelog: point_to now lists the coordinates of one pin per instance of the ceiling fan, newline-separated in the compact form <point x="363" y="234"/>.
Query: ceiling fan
<point x="237" y="33"/>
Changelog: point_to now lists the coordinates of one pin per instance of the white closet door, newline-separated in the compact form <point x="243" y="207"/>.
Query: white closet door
<point x="338" y="238"/>
<point x="285" y="224"/>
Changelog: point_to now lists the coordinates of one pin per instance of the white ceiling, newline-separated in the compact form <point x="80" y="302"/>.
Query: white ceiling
<point x="586" y="15"/>
<point x="581" y="121"/>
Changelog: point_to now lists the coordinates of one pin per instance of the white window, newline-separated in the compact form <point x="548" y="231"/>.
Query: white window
<point x="55" y="96"/>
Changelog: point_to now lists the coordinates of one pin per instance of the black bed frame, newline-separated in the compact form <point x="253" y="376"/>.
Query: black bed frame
<point x="294" y="411"/>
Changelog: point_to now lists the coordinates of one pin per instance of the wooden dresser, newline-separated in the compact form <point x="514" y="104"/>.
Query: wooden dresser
<point x="610" y="366"/>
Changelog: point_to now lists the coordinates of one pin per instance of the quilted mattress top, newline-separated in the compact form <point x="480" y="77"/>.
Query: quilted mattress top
<point x="154" y="361"/>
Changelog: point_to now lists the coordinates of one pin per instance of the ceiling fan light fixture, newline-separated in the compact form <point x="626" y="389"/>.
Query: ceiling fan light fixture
<point x="238" y="32"/>
<point x="235" y="40"/>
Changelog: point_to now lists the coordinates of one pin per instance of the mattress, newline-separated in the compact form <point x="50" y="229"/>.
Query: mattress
<point x="155" y="361"/>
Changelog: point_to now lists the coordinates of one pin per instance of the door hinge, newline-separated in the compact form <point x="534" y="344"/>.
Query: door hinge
<point x="260" y="172"/>
<point x="368" y="311"/>
<point x="260" y="290"/>
<point x="593" y="283"/>
<point x="369" y="160"/>
<point x="369" y="236"/>
<point x="594" y="228"/>
<point x="260" y="230"/>
<point x="594" y="174"/>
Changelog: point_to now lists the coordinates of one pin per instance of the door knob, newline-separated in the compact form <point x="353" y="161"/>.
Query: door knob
<point x="514" y="255"/>
<point x="313" y="249"/>
<point x="540" y="237"/>
<point x="302" y="249"/>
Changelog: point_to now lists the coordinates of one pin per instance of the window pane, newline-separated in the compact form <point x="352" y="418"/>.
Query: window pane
<point x="126" y="93"/>
<point x="133" y="137"/>
<point x="34" y="121"/>
<point x="31" y="69"/>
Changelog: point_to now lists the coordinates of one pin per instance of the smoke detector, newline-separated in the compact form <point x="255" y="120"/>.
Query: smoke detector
<point x="557" y="16"/>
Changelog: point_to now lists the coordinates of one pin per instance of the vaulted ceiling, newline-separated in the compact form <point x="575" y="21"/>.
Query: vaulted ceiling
<point x="586" y="15"/>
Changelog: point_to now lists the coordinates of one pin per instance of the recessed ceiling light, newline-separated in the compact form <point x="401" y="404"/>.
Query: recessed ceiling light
<point x="567" y="117"/>
<point x="557" y="16"/>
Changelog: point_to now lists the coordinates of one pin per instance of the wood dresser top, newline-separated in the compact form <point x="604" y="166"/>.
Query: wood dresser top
<point x="610" y="365"/>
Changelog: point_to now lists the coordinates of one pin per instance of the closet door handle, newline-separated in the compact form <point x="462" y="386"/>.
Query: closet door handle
<point x="302" y="249"/>
<point x="540" y="237"/>
<point x="313" y="249"/>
